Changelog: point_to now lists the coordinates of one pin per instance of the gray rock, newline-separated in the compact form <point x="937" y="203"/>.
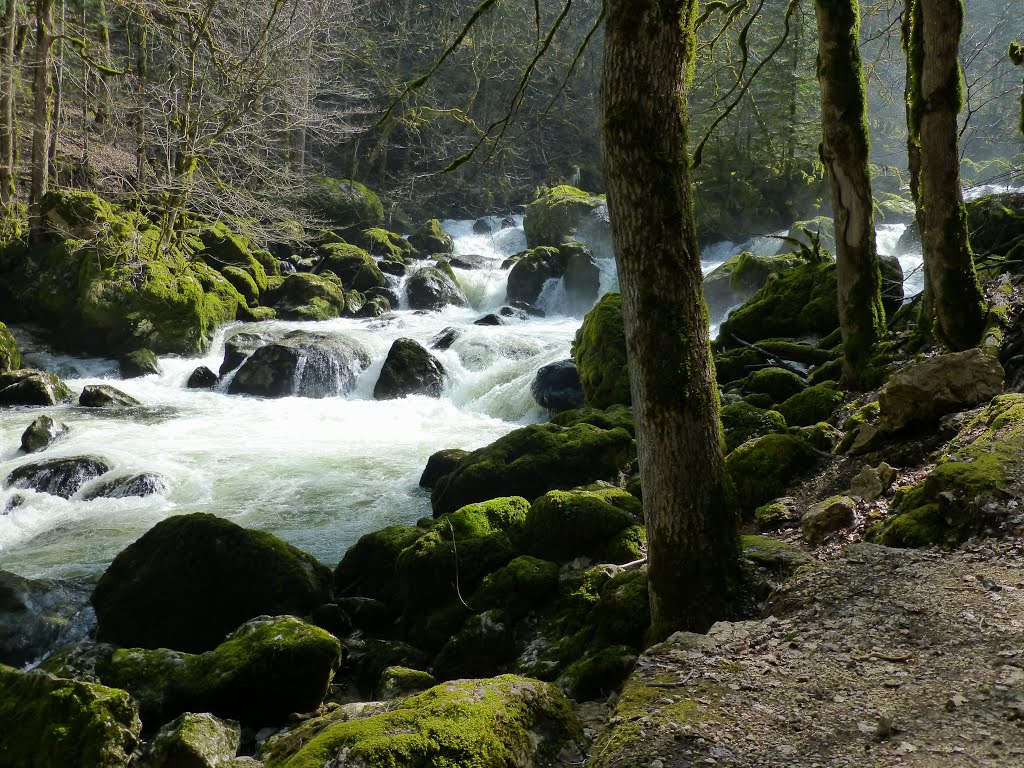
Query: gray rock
<point x="924" y="391"/>
<point x="582" y="278"/>
<point x="105" y="396"/>
<point x="239" y="348"/>
<point x="826" y="517"/>
<point x="140" y="484"/>
<point x="302" y="364"/>
<point x="557" y="387"/>
<point x="38" y="615"/>
<point x="202" y="378"/>
<point x="42" y="433"/>
<point x="409" y="370"/>
<point x="430" y="288"/>
<point x="193" y="741"/>
<point x="58" y="477"/>
<point x="30" y="387"/>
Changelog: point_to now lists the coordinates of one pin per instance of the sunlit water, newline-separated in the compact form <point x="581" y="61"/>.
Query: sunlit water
<point x="317" y="472"/>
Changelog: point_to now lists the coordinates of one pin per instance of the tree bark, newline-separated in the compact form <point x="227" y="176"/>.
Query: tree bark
<point x="845" y="150"/>
<point x="693" y="544"/>
<point x="959" y="302"/>
<point x="42" y="106"/>
<point x="8" y="136"/>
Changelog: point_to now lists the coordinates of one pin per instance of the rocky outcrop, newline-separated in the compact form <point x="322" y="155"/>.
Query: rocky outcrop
<point x="59" y="477"/>
<point x="138" y="484"/>
<point x="193" y="578"/>
<point x="409" y="370"/>
<point x="301" y="364"/>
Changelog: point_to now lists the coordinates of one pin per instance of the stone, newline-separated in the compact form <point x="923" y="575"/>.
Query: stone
<point x="431" y="239"/>
<point x="357" y="269"/>
<point x="302" y="364"/>
<point x="556" y="214"/>
<point x="141" y="362"/>
<point x="105" y="396"/>
<point x="30" y="387"/>
<point x="430" y="288"/>
<point x="37" y="615"/>
<point x="599" y="350"/>
<point x="532" y="270"/>
<point x="490" y="319"/>
<point x="238" y="348"/>
<point x="763" y="468"/>
<point x="42" y="433"/>
<point x="440" y="464"/>
<point x="138" y="484"/>
<point x="305" y="296"/>
<point x="409" y="370"/>
<point x="924" y="391"/>
<point x="868" y="484"/>
<point x="347" y="204"/>
<point x="191" y="579"/>
<point x="481" y="227"/>
<point x="192" y="741"/>
<point x="62" y="477"/>
<point x="557" y="387"/>
<point x="399" y="682"/>
<point x="202" y="378"/>
<point x="826" y="517"/>
<point x="563" y="525"/>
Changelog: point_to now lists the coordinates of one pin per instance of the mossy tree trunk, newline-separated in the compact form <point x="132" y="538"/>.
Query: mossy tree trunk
<point x="693" y="545"/>
<point x="1017" y="57"/>
<point x="959" y="302"/>
<point x="7" y="124"/>
<point x="42" y="110"/>
<point x="845" y="150"/>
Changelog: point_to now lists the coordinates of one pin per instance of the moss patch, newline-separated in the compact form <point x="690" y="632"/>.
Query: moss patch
<point x="761" y="469"/>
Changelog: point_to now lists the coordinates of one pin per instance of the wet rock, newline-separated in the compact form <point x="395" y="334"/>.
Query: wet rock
<point x="465" y="262"/>
<point x="31" y="387"/>
<point x="527" y="307"/>
<point x="508" y="223"/>
<point x="529" y="274"/>
<point x="42" y="433"/>
<point x="481" y="227"/>
<point x="740" y="277"/>
<point x="431" y="239"/>
<point x="141" y="362"/>
<point x="239" y="348"/>
<point x="58" y="477"/>
<point x="445" y="338"/>
<point x="356" y="268"/>
<point x="396" y="268"/>
<point x="38" y="615"/>
<point x="64" y="722"/>
<point x="304" y="296"/>
<point x="105" y="396"/>
<point x="430" y="288"/>
<point x="582" y="278"/>
<point x="302" y="364"/>
<point x="10" y="357"/>
<point x="140" y="484"/>
<point x="484" y="643"/>
<point x="826" y="517"/>
<point x="440" y="464"/>
<point x="192" y="741"/>
<point x="202" y="378"/>
<point x="513" y="312"/>
<point x="193" y="578"/>
<point x="409" y="370"/>
<point x="491" y="319"/>
<point x="557" y="387"/>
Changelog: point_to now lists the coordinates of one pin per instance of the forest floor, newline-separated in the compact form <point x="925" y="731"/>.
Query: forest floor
<point x="875" y="657"/>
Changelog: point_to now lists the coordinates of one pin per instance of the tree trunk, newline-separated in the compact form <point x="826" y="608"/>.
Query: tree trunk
<point x="8" y="127"/>
<point x="693" y="545"/>
<point x="58" y="101"/>
<point x="844" y="151"/>
<point x="41" y="113"/>
<point x="959" y="302"/>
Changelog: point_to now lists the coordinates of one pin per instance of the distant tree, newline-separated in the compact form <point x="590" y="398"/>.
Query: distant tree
<point x="692" y="524"/>
<point x="8" y="125"/>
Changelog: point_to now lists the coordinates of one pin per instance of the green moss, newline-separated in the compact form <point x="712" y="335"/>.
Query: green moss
<point x="830" y="371"/>
<point x="348" y="205"/>
<point x="554" y="216"/>
<point x="735" y="364"/>
<point x="303" y="296"/>
<point x="615" y="417"/>
<point x="369" y="566"/>
<point x="387" y="245"/>
<point x="598" y="674"/>
<point x="563" y="525"/>
<point x="522" y="586"/>
<point x="775" y="555"/>
<point x="496" y="515"/>
<point x="356" y="268"/>
<point x="493" y="723"/>
<point x="64" y="722"/>
<point x="623" y="614"/>
<point x="599" y="350"/>
<point x="775" y="514"/>
<point x="431" y="239"/>
<point x="222" y="248"/>
<point x="242" y="282"/>
<point x="822" y="436"/>
<point x="761" y="469"/>
<point x="742" y="421"/>
<point x="813" y="405"/>
<point x="403" y="681"/>
<point x="10" y="357"/>
<point x="777" y="383"/>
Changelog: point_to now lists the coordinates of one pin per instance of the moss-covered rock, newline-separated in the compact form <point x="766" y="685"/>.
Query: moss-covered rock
<point x="800" y="302"/>
<point x="735" y="364"/>
<point x="598" y="674"/>
<point x="440" y="464"/>
<point x="742" y="422"/>
<point x="27" y="386"/>
<point x="492" y="723"/>
<point x="615" y="417"/>
<point x="396" y="682"/>
<point x="387" y="245"/>
<point x="356" y="268"/>
<point x="10" y="357"/>
<point x="431" y="239"/>
<point x="778" y="513"/>
<point x="778" y="383"/>
<point x="996" y="223"/>
<point x="140" y="362"/>
<point x="738" y="278"/>
<point x="303" y="296"/>
<point x="242" y="282"/>
<point x="531" y="270"/>
<point x="348" y="205"/>
<point x="193" y="578"/>
<point x="556" y="214"/>
<point x="520" y="587"/>
<point x="533" y="460"/>
<point x="813" y="405"/>
<point x="368" y="567"/>
<point x="42" y="433"/>
<point x="508" y="515"/>
<point x="623" y="614"/>
<point x="818" y="232"/>
<point x="484" y="645"/>
<point x="265" y="670"/>
<point x="563" y="525"/>
<point x="193" y="741"/>
<point x="599" y="350"/>
<point x="51" y="722"/>
<point x="230" y="253"/>
<point x="409" y="370"/>
<point x="105" y="396"/>
<point x="825" y="517"/>
<point x="431" y="288"/>
<point x="761" y="469"/>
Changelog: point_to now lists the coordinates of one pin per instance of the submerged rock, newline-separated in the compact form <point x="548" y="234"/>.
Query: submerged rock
<point x="42" y="433"/>
<point x="191" y="579"/>
<point x="445" y="338"/>
<point x="105" y="396"/>
<point x="141" y="362"/>
<point x="409" y="370"/>
<point x="140" y="484"/>
<point x="202" y="378"/>
<point x="31" y="387"/>
<point x="64" y="722"/>
<point x="58" y="477"/>
<point x="302" y="364"/>
<point x="557" y="387"/>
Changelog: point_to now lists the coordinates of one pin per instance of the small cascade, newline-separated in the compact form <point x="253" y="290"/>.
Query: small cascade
<point x="553" y="298"/>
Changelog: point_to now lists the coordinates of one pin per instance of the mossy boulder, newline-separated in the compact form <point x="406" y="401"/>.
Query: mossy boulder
<point x="303" y="296"/>
<point x="761" y="469"/>
<point x="508" y="515"/>
<point x="232" y="255"/>
<point x="996" y="223"/>
<point x="733" y="365"/>
<point x="42" y="433"/>
<point x="485" y="644"/>
<point x="778" y="513"/>
<point x="431" y="288"/>
<point x="967" y="491"/>
<point x="399" y="682"/>
<point x="738" y="278"/>
<point x="409" y="369"/>
<point x="563" y="525"/>
<point x="430" y="238"/>
<point x="599" y="350"/>
<point x="368" y="567"/>
<point x="53" y="722"/>
<point x="533" y="460"/>
<point x="347" y="205"/>
<point x="814" y="404"/>
<point x="800" y="302"/>
<point x="138" y="363"/>
<point x="105" y="396"/>
<point x="519" y="587"/>
<point x="623" y="614"/>
<point x="778" y="383"/>
<point x="532" y="269"/>
<point x="242" y="282"/>
<point x="598" y="674"/>
<point x="193" y="741"/>
<point x="742" y="422"/>
<point x="10" y="357"/>
<point x="440" y="464"/>
<point x="27" y="386"/>
<point x="491" y="723"/>
<point x="193" y="578"/>
<point x="614" y="417"/>
<point x="356" y="268"/>
<point x="556" y="214"/>
<point x="387" y="245"/>
<point x="265" y="670"/>
<point x="826" y="517"/>
<point x="803" y="234"/>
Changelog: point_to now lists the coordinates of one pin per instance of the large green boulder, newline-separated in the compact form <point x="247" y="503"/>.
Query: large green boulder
<point x="368" y="567"/>
<point x="519" y="587"/>
<point x="738" y="278"/>
<point x="817" y="232"/>
<point x="386" y="245"/>
<point x="563" y="525"/>
<point x="356" y="268"/>
<point x="265" y="670"/>
<point x="507" y="514"/>
<point x="191" y="579"/>
<point x="347" y="205"/>
<point x="533" y="460"/>
<point x="430" y="239"/>
<point x="434" y="288"/>
<point x="52" y="722"/>
<point x="10" y="358"/>
<point x="778" y="383"/>
<point x="27" y="386"/>
<point x="800" y="302"/>
<point x="556" y="214"/>
<point x="761" y="469"/>
<point x="599" y="350"/>
<point x="224" y="248"/>
<point x="811" y="406"/>
<point x="303" y="296"/>
<point x="498" y="722"/>
<point x="742" y="422"/>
